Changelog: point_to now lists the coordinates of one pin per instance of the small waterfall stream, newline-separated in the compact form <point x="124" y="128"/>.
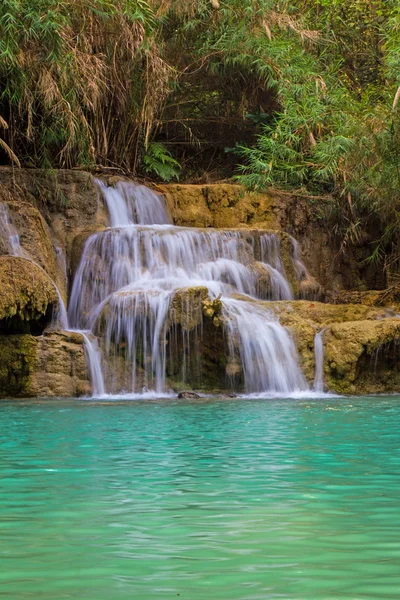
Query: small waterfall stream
<point x="267" y="353"/>
<point x="8" y="232"/>
<point x="93" y="359"/>
<point x="130" y="273"/>
<point x="319" y="361"/>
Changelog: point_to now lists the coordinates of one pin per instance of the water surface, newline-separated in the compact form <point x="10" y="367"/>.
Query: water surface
<point x="209" y="500"/>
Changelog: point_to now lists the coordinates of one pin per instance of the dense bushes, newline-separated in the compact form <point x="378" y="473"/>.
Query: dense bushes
<point x="298" y="94"/>
<point x="81" y="80"/>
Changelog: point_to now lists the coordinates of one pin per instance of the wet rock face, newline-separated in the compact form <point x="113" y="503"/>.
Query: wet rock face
<point x="49" y="365"/>
<point x="52" y="208"/>
<point x="60" y="367"/>
<point x="193" y="341"/>
<point x="363" y="356"/>
<point x="27" y="299"/>
<point x="186" y="307"/>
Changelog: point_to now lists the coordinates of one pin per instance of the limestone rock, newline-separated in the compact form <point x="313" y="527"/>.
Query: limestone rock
<point x="212" y="309"/>
<point x="186" y="307"/>
<point x="68" y="202"/>
<point x="27" y="298"/>
<point x="220" y="205"/>
<point x="51" y="365"/>
<point x="363" y="356"/>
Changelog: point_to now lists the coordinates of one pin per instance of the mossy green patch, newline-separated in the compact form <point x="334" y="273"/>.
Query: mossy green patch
<point x="27" y="296"/>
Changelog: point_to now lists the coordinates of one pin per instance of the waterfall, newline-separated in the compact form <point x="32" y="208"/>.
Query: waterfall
<point x="299" y="266"/>
<point x="93" y="360"/>
<point x="319" y="361"/>
<point x="8" y="232"/>
<point x="60" y="317"/>
<point x="131" y="204"/>
<point x="271" y="258"/>
<point x="128" y="277"/>
<point x="267" y="353"/>
<point x="124" y="289"/>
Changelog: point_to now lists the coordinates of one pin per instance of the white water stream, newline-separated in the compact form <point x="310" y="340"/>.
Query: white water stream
<point x="8" y="232"/>
<point x="319" y="361"/>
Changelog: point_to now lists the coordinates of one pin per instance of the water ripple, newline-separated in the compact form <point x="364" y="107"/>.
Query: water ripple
<point x="239" y="499"/>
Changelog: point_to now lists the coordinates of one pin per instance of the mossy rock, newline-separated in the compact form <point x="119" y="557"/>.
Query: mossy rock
<point x="320" y="315"/>
<point x="28" y="296"/>
<point x="363" y="356"/>
<point x="51" y="365"/>
<point x="389" y="297"/>
<point x="18" y="354"/>
<point x="186" y="309"/>
<point x="58" y="203"/>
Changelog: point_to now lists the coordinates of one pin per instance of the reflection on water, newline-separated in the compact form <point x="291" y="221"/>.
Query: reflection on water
<point x="224" y="500"/>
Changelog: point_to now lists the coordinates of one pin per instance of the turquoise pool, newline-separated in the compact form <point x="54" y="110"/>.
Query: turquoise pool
<point x="210" y="500"/>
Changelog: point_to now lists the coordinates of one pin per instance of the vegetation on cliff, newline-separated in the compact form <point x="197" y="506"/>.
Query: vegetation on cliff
<point x="292" y="93"/>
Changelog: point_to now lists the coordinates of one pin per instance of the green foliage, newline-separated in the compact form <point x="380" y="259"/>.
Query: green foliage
<point x="342" y="134"/>
<point x="158" y="161"/>
<point x="77" y="80"/>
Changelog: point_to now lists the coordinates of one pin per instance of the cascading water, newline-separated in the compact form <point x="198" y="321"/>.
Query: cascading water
<point x="130" y="273"/>
<point x="271" y="257"/>
<point x="93" y="359"/>
<point x="319" y="361"/>
<point x="128" y="207"/>
<point x="267" y="353"/>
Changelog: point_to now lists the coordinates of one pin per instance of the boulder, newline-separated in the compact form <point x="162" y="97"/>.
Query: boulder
<point x="186" y="309"/>
<point x="188" y="396"/>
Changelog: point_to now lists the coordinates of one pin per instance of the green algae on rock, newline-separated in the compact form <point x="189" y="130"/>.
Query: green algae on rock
<point x="28" y="297"/>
